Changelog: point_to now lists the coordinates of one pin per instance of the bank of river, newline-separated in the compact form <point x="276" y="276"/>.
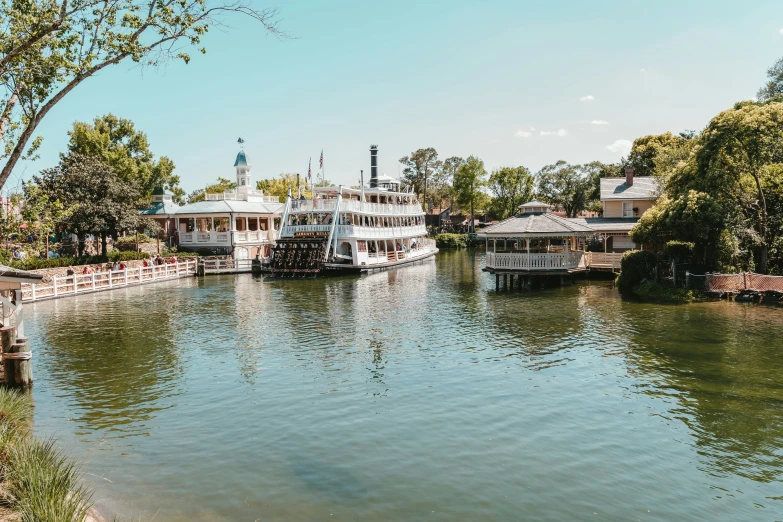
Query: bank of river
<point x="413" y="394"/>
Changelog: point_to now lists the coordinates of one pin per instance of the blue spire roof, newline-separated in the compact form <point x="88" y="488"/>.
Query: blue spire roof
<point x="241" y="159"/>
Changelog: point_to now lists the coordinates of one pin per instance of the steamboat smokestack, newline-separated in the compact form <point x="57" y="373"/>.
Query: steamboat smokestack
<point x="373" y="166"/>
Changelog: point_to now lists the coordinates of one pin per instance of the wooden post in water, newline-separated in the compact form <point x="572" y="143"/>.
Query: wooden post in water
<point x="497" y="282"/>
<point x="18" y="364"/>
<point x="7" y="337"/>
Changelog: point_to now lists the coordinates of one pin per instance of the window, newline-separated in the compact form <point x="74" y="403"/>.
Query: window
<point x="242" y="181"/>
<point x="627" y="209"/>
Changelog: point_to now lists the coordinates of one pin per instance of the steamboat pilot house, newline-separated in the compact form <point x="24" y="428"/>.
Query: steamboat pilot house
<point x="354" y="230"/>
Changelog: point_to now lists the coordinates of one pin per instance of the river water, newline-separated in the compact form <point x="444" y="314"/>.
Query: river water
<point x="414" y="394"/>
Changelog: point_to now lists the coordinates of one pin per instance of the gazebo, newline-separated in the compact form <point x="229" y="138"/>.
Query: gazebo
<point x="535" y="242"/>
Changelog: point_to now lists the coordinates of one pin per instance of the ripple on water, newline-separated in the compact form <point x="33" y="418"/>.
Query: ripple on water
<point x="411" y="394"/>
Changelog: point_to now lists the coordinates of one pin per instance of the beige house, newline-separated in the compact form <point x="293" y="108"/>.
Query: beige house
<point x="624" y="200"/>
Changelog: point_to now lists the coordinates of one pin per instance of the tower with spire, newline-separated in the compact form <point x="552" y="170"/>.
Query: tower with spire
<point x="243" y="169"/>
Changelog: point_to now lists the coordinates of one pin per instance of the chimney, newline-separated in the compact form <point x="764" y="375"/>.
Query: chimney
<point x="373" y="166"/>
<point x="629" y="176"/>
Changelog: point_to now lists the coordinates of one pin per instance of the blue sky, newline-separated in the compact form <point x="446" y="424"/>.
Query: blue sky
<point x="506" y="81"/>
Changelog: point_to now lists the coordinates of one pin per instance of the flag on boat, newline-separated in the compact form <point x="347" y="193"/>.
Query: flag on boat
<point x="322" y="159"/>
<point x="309" y="173"/>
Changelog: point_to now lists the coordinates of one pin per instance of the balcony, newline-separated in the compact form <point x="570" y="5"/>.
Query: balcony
<point x="379" y="232"/>
<point x="242" y="196"/>
<point x="349" y="205"/>
<point x="223" y="238"/>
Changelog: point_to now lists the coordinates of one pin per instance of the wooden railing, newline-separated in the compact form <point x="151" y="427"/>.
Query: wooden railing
<point x="604" y="260"/>
<point x="61" y="286"/>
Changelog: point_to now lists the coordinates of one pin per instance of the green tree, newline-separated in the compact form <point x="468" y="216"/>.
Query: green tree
<point x="658" y="154"/>
<point x="420" y="167"/>
<point x="100" y="201"/>
<point x="773" y="89"/>
<point x="116" y="142"/>
<point x="280" y="186"/>
<point x="565" y="186"/>
<point x="468" y="182"/>
<point x="595" y="170"/>
<point x="221" y="186"/>
<point x="43" y="215"/>
<point x="511" y="186"/>
<point x="442" y="187"/>
<point x="49" y="47"/>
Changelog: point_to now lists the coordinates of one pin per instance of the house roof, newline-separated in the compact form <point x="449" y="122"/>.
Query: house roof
<point x="224" y="206"/>
<point x="537" y="224"/>
<point x="241" y="159"/>
<point x="15" y="275"/>
<point x="608" y="224"/>
<point x="644" y="187"/>
<point x="160" y="208"/>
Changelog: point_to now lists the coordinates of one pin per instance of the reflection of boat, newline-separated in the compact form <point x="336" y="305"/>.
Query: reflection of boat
<point x="351" y="230"/>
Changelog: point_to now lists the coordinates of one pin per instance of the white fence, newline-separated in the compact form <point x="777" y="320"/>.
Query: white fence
<point x="226" y="265"/>
<point x="60" y="286"/>
<point x="570" y="260"/>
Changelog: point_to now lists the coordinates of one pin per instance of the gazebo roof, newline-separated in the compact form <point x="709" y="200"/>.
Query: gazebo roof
<point x="537" y="224"/>
<point x="15" y="275"/>
<point x="534" y="204"/>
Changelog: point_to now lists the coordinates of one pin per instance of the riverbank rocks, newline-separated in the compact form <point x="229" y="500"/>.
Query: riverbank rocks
<point x="748" y="296"/>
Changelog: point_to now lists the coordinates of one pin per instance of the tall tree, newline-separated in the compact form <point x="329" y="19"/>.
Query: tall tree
<point x="42" y="214"/>
<point x="100" y="201"/>
<point x="511" y="186"/>
<point x="116" y="142"/>
<point x="280" y="185"/>
<point x="49" y="47"/>
<point x="596" y="171"/>
<point x="468" y="181"/>
<point x="420" y="167"/>
<point x="658" y="154"/>
<point x="773" y="89"/>
<point x="565" y="186"/>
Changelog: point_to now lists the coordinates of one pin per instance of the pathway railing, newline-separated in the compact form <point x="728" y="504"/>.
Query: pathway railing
<point x="61" y="286"/>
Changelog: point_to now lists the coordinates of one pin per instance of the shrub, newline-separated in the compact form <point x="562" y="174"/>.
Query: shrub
<point x="37" y="263"/>
<point x="652" y="291"/>
<point x="636" y="266"/>
<point x="128" y="255"/>
<point x="451" y="240"/>
<point x="131" y="239"/>
<point x="682" y="251"/>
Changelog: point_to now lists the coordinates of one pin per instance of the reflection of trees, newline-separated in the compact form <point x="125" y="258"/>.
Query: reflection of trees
<point x="115" y="353"/>
<point x="721" y="361"/>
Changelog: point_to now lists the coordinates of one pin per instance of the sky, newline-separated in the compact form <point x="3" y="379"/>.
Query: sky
<point x="514" y="83"/>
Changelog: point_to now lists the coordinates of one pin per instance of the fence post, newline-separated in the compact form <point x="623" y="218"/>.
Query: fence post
<point x="32" y="289"/>
<point x="54" y="282"/>
<point x="687" y="279"/>
<point x="744" y="280"/>
<point x="75" y="284"/>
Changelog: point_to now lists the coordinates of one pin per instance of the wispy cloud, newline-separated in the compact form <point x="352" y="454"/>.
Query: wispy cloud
<point x="558" y="132"/>
<point x="523" y="134"/>
<point x="620" y="147"/>
<point x="599" y="122"/>
<point x="587" y="98"/>
<point x="781" y="31"/>
<point x="642" y="70"/>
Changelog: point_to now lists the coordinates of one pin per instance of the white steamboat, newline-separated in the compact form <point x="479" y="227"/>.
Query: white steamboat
<point x="351" y="230"/>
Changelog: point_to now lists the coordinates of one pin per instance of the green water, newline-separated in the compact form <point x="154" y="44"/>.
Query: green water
<point x="415" y="394"/>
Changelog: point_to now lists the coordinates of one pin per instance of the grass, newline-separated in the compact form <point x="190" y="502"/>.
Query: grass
<point x="41" y="484"/>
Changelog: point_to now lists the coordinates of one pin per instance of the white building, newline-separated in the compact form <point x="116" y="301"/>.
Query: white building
<point x="242" y="222"/>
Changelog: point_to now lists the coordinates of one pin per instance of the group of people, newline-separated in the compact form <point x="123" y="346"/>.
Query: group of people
<point x="117" y="266"/>
<point x="158" y="260"/>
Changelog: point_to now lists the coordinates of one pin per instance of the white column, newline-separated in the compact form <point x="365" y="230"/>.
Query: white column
<point x="19" y="314"/>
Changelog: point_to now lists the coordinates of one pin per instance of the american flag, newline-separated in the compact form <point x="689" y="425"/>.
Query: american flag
<point x="309" y="173"/>
<point x="322" y="158"/>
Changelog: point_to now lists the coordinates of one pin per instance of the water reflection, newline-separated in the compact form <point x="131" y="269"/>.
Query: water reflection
<point x="99" y="348"/>
<point x="414" y="393"/>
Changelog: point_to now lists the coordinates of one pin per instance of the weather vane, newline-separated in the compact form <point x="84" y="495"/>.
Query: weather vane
<point x="241" y="143"/>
